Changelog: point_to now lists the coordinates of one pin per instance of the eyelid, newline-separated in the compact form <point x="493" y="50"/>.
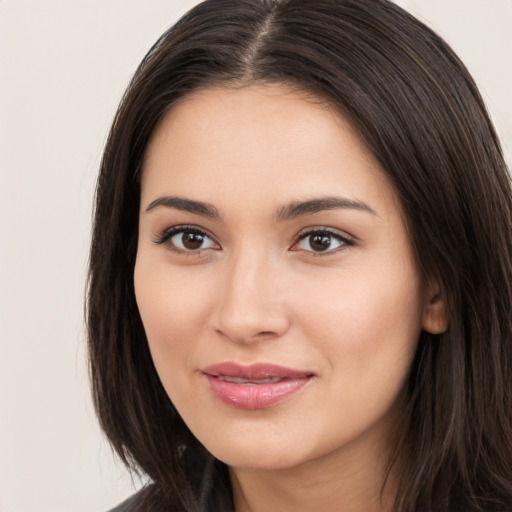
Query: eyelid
<point x="164" y="236"/>
<point x="346" y="239"/>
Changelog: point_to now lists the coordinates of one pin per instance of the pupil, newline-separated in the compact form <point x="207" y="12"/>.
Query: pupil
<point x="320" y="242"/>
<point x="192" y="240"/>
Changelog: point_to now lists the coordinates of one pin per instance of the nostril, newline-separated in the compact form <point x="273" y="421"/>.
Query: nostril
<point x="246" y="311"/>
<point x="267" y="334"/>
<point x="247" y="336"/>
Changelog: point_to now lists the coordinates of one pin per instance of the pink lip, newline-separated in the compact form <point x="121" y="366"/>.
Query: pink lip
<point x="257" y="386"/>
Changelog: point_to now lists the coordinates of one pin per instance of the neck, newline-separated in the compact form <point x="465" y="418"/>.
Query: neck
<point x="352" y="481"/>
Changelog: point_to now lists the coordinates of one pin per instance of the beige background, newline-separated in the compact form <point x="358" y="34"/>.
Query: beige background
<point x="63" y="67"/>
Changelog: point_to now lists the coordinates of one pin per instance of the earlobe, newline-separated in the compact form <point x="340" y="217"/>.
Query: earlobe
<point x="435" y="311"/>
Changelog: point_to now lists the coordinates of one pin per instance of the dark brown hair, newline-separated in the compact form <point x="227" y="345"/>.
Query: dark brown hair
<point x="419" y="112"/>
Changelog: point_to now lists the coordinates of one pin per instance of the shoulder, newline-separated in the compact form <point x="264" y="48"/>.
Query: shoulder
<point x="129" y="505"/>
<point x="148" y="498"/>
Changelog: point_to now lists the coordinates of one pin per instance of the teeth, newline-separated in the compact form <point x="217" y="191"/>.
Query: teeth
<point x="238" y="380"/>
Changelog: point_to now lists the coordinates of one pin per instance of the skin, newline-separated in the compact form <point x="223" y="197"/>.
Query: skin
<point x="257" y="291"/>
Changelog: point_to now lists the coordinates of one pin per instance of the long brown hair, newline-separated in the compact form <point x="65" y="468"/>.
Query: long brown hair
<point x="419" y="112"/>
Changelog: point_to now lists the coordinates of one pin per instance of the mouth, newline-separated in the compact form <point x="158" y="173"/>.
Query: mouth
<point x="239" y="380"/>
<point x="257" y="386"/>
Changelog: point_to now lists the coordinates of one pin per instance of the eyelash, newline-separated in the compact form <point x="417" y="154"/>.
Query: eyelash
<point x="175" y="230"/>
<point x="344" y="240"/>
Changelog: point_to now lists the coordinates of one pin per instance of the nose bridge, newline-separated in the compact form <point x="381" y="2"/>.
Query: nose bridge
<point x="248" y="268"/>
<point x="249" y="305"/>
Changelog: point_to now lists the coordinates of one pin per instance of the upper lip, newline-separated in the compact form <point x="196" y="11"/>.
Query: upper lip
<point x="257" y="371"/>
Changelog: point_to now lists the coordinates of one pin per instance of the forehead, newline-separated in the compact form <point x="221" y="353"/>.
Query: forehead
<point x="257" y="139"/>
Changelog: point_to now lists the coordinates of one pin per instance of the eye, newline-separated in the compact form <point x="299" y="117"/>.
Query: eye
<point x="321" y="241"/>
<point x="186" y="239"/>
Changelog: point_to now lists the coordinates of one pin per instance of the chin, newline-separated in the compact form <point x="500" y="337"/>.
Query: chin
<point x="264" y="456"/>
<point x="260" y="462"/>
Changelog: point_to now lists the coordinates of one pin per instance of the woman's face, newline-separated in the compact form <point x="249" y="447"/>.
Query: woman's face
<point x="275" y="280"/>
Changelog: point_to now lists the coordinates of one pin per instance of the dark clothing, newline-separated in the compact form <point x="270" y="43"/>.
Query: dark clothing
<point x="127" y="505"/>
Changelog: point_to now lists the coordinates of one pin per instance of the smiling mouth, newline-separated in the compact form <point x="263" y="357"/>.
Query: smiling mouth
<point x="239" y="380"/>
<point x="257" y="386"/>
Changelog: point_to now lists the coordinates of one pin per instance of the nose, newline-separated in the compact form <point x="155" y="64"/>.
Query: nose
<point x="250" y="306"/>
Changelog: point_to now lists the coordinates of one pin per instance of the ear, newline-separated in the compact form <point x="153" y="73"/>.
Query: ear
<point x="435" y="309"/>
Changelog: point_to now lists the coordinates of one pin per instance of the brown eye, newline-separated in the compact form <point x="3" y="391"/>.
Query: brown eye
<point x="191" y="241"/>
<point x="184" y="239"/>
<point x="321" y="241"/>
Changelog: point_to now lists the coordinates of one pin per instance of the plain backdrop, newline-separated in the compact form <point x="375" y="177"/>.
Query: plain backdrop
<point x="63" y="68"/>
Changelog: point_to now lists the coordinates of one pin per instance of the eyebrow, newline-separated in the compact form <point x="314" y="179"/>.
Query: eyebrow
<point x="186" y="205"/>
<point x="287" y="212"/>
<point x="301" y="208"/>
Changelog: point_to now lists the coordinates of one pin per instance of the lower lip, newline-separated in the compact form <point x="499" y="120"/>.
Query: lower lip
<point x="255" y="396"/>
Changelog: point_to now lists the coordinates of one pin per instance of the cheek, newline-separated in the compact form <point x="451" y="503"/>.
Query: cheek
<point x="364" y="321"/>
<point x="367" y="332"/>
<point x="174" y="312"/>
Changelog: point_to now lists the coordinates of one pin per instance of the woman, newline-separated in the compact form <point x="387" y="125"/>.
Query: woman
<point x="299" y="293"/>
